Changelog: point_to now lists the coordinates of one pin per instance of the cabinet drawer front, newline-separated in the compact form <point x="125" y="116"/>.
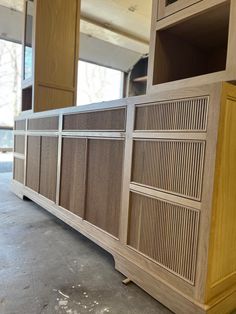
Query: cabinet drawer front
<point x="98" y="120"/>
<point x="177" y="115"/>
<point x="44" y="124"/>
<point x="166" y="233"/>
<point x="175" y="167"/>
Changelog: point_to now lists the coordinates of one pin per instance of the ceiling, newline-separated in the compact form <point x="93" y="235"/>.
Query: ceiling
<point x="13" y="4"/>
<point x="130" y="17"/>
<point x="112" y="27"/>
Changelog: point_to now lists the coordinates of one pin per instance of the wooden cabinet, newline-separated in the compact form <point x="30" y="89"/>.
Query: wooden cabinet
<point x="160" y="195"/>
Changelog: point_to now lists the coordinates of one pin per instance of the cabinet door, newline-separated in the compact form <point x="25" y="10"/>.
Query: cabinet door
<point x="18" y="170"/>
<point x="48" y="169"/>
<point x="104" y="178"/>
<point x="73" y="172"/>
<point x="33" y="162"/>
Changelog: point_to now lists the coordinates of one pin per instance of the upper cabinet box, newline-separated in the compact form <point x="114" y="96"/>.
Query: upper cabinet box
<point x="168" y="7"/>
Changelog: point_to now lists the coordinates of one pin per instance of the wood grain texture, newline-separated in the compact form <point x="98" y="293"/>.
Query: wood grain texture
<point x="49" y="98"/>
<point x="222" y="260"/>
<point x="57" y="49"/>
<point x="18" y="170"/>
<point x="98" y="120"/>
<point x="173" y="166"/>
<point x="19" y="144"/>
<point x="48" y="168"/>
<point x="33" y="162"/>
<point x="73" y="175"/>
<point x="178" y="115"/>
<point x="104" y="178"/>
<point x="165" y="232"/>
<point x="55" y="41"/>
<point x="43" y="124"/>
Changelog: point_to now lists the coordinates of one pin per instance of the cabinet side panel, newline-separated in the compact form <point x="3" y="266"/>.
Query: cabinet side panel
<point x="222" y="263"/>
<point x="73" y="169"/>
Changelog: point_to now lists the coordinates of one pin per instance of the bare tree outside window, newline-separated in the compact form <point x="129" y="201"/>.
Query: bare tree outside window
<point x="10" y="81"/>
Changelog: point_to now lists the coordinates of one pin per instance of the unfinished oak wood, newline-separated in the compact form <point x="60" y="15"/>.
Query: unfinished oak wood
<point x="33" y="162"/>
<point x="98" y="120"/>
<point x="18" y="170"/>
<point x="103" y="190"/>
<point x="73" y="175"/>
<point x="48" y="167"/>
<point x="173" y="166"/>
<point x="45" y="124"/>
<point x="222" y="261"/>
<point x="165" y="232"/>
<point x="19" y="144"/>
<point x="178" y="115"/>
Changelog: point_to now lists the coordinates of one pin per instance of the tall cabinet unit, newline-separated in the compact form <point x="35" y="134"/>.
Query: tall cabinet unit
<point x="151" y="179"/>
<point x="50" y="54"/>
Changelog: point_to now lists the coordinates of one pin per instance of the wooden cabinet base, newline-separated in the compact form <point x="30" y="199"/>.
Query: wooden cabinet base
<point x="157" y="191"/>
<point x="128" y="262"/>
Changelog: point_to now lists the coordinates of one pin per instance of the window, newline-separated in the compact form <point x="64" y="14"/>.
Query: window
<point x="10" y="81"/>
<point x="97" y="83"/>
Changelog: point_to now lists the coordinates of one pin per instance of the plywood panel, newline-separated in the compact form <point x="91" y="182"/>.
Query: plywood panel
<point x="56" y="41"/>
<point x="104" y="176"/>
<point x="99" y="120"/>
<point x="48" y="169"/>
<point x="165" y="232"/>
<point x="33" y="162"/>
<point x="182" y="115"/>
<point x="49" y="98"/>
<point x="73" y="172"/>
<point x="19" y="170"/>
<point x="43" y="124"/>
<point x="173" y="166"/>
<point x="19" y="144"/>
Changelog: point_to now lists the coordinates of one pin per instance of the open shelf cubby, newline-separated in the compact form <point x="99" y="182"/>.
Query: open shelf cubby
<point x="27" y="98"/>
<point x="193" y="47"/>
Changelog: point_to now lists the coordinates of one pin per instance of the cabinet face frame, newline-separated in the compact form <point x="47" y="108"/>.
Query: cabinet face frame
<point x="165" y="9"/>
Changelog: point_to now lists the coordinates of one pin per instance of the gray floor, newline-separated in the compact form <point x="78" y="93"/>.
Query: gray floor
<point x="46" y="267"/>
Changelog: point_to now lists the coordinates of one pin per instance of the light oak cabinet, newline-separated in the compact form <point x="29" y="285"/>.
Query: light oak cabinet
<point x="159" y="195"/>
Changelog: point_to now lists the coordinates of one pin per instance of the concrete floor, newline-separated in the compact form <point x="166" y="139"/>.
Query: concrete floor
<point x="46" y="267"/>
